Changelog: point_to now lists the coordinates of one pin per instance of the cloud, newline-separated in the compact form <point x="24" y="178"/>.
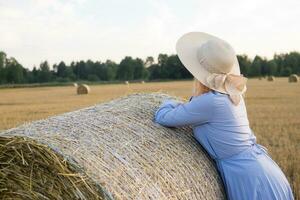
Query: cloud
<point x="56" y="30"/>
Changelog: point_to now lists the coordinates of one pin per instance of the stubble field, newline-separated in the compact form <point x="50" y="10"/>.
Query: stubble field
<point x="273" y="111"/>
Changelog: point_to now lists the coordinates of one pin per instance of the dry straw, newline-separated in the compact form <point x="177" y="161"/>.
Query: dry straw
<point x="293" y="78"/>
<point x="271" y="78"/>
<point x="83" y="89"/>
<point x="108" y="151"/>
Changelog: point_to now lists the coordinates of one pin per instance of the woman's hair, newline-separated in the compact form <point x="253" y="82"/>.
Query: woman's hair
<point x="199" y="88"/>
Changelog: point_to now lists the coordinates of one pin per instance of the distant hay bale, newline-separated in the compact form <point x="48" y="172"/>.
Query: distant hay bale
<point x="126" y="82"/>
<point x="142" y="82"/>
<point x="83" y="89"/>
<point x="112" y="150"/>
<point x="293" y="78"/>
<point x="75" y="84"/>
<point x="271" y="78"/>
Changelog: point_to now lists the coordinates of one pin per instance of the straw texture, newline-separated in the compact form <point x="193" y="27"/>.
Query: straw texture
<point x="112" y="151"/>
<point x="83" y="89"/>
<point x="293" y="78"/>
<point x="271" y="78"/>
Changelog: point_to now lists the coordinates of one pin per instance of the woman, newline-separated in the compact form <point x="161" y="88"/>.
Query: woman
<point x="218" y="116"/>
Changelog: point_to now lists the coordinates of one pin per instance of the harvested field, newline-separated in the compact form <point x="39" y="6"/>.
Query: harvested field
<point x="273" y="110"/>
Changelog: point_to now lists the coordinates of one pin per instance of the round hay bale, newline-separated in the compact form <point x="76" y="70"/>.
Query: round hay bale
<point x="75" y="84"/>
<point x="112" y="150"/>
<point x="293" y="78"/>
<point x="142" y="82"/>
<point x="126" y="82"/>
<point x="271" y="78"/>
<point x="83" y="89"/>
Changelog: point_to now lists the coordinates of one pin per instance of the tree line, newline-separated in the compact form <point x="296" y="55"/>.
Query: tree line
<point x="166" y="67"/>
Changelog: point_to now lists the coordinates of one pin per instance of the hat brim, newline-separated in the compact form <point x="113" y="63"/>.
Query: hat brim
<point x="187" y="47"/>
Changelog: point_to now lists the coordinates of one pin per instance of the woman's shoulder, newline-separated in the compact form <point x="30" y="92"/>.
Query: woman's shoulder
<point x="206" y="99"/>
<point x="214" y="98"/>
<point x="209" y="96"/>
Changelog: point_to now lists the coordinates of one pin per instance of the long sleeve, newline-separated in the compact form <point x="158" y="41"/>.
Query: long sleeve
<point x="197" y="111"/>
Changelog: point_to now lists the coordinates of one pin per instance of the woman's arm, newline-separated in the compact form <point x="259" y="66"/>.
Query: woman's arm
<point x="197" y="111"/>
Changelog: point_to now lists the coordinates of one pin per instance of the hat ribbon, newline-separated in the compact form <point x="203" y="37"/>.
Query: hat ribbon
<point x="234" y="85"/>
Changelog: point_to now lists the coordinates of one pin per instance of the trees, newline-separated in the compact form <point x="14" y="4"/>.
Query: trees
<point x="166" y="67"/>
<point x="35" y="74"/>
<point x="61" y="70"/>
<point x="130" y="69"/>
<point x="14" y="71"/>
<point x="292" y="62"/>
<point x="245" y="64"/>
<point x="139" y="71"/>
<point x="255" y="68"/>
<point x="2" y="67"/>
<point x="63" y="73"/>
<point x="44" y="73"/>
<point x="149" y="61"/>
<point x="154" y="71"/>
<point x="111" y="70"/>
<point x="125" y="71"/>
<point x="81" y="70"/>
<point x="174" y="67"/>
<point x="272" y="67"/>
<point x="162" y="62"/>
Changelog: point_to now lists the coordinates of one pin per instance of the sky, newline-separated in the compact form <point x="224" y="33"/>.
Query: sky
<point x="54" y="30"/>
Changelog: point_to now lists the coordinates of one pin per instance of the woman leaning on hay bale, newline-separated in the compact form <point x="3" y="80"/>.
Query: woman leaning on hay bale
<point x="218" y="115"/>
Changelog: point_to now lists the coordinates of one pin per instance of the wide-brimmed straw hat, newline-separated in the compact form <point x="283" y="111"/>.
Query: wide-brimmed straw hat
<point x="213" y="62"/>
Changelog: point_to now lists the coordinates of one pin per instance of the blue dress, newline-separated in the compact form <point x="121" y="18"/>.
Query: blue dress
<point x="222" y="128"/>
